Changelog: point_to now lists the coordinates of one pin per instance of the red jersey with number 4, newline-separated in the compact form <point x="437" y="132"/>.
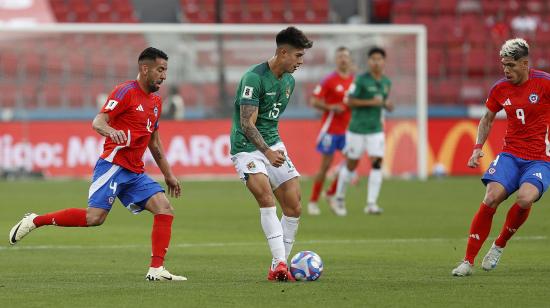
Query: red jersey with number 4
<point x="527" y="108"/>
<point x="137" y="114"/>
<point x="332" y="90"/>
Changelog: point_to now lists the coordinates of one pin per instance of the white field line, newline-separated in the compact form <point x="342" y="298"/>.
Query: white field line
<point x="241" y="244"/>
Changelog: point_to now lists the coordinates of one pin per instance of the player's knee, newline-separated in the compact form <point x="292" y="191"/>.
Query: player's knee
<point x="265" y="200"/>
<point x="524" y="200"/>
<point x="94" y="220"/>
<point x="492" y="199"/>
<point x="377" y="163"/>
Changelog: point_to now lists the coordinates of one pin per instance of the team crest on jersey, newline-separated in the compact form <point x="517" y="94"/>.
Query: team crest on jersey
<point x="533" y="98"/>
<point x="156" y="111"/>
<point x="288" y="92"/>
<point x="251" y="165"/>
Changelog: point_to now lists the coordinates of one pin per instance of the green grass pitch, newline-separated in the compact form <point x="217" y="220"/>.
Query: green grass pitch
<point x="402" y="258"/>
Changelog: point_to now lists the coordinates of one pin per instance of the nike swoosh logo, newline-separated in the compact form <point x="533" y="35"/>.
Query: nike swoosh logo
<point x="167" y="278"/>
<point x="13" y="241"/>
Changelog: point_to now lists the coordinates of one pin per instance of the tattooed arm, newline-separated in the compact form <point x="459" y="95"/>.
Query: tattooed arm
<point x="249" y="114"/>
<point x="155" y="146"/>
<point x="483" y="130"/>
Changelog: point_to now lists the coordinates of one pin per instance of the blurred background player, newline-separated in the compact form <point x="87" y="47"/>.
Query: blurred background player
<point x="328" y="97"/>
<point x="129" y="119"/>
<point x="524" y="163"/>
<point x="258" y="153"/>
<point x="368" y="97"/>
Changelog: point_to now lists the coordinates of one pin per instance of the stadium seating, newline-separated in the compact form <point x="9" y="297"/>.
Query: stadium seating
<point x="461" y="51"/>
<point x="257" y="11"/>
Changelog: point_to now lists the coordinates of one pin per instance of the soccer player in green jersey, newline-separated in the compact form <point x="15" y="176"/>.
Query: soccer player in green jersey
<point x="259" y="155"/>
<point x="367" y="97"/>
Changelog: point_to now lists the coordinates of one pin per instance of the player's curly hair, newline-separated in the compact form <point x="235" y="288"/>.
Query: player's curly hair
<point x="152" y="53"/>
<point x="515" y="48"/>
<point x="293" y="37"/>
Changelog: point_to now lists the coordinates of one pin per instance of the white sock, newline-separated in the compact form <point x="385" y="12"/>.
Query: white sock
<point x="290" y="227"/>
<point x="273" y="232"/>
<point x="344" y="177"/>
<point x="375" y="182"/>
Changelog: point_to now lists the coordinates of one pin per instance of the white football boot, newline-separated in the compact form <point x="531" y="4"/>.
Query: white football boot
<point x="338" y="206"/>
<point x="22" y="228"/>
<point x="490" y="261"/>
<point x="161" y="274"/>
<point x="463" y="269"/>
<point x="373" y="209"/>
<point x="313" y="209"/>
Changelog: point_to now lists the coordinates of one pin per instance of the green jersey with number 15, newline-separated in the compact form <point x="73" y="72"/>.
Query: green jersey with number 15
<point x="259" y="87"/>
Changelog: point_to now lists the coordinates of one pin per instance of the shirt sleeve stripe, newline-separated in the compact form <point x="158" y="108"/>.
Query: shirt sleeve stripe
<point x="122" y="91"/>
<point x="246" y="101"/>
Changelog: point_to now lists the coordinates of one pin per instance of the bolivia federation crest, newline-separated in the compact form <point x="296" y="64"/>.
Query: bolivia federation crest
<point x="533" y="98"/>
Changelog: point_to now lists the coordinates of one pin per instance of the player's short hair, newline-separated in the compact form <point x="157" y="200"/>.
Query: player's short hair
<point x="342" y="48"/>
<point x="515" y="48"/>
<point x="293" y="37"/>
<point x="375" y="50"/>
<point x="152" y="53"/>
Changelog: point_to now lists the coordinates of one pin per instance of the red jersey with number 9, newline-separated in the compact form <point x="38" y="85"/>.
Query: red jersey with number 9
<point x="527" y="108"/>
<point x="136" y="113"/>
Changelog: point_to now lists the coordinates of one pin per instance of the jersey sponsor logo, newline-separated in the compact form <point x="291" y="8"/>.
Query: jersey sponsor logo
<point x="538" y="175"/>
<point x="247" y="92"/>
<point x="139" y="108"/>
<point x="508" y="102"/>
<point x="111" y="200"/>
<point x="156" y="111"/>
<point x="533" y="98"/>
<point x="492" y="170"/>
<point x="111" y="104"/>
<point x="339" y="88"/>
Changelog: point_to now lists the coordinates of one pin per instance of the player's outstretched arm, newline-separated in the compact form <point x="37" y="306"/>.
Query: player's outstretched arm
<point x="101" y="126"/>
<point x="483" y="130"/>
<point x="155" y="146"/>
<point x="249" y="114"/>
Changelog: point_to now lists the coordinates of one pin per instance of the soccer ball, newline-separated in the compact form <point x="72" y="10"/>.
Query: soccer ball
<point x="306" y="266"/>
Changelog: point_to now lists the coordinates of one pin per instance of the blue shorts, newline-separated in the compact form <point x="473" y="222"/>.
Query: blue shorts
<point x="329" y="143"/>
<point x="110" y="181"/>
<point x="511" y="172"/>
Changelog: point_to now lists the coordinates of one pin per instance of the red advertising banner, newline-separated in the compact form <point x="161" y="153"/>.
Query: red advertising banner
<point x="201" y="148"/>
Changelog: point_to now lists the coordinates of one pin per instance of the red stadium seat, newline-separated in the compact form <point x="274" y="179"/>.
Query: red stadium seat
<point x="8" y="99"/>
<point x="435" y="63"/>
<point x="447" y="7"/>
<point x="426" y="7"/>
<point x="476" y="61"/>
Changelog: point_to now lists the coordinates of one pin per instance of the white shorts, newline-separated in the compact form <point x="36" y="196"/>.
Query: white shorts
<point x="357" y="144"/>
<point x="256" y="162"/>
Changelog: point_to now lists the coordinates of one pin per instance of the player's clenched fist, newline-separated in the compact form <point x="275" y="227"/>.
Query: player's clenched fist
<point x="118" y="136"/>
<point x="473" y="162"/>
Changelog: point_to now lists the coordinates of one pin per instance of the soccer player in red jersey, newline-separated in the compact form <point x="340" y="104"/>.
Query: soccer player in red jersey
<point x="129" y="119"/>
<point x="328" y="97"/>
<point x="524" y="163"/>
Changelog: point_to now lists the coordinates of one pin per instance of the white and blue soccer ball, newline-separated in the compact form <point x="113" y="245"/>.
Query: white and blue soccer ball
<point x="306" y="266"/>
